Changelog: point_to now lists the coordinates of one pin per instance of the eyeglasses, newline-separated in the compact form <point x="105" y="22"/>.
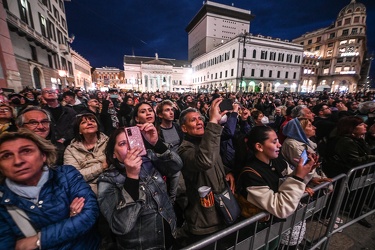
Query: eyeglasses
<point x="4" y="110"/>
<point x="84" y="115"/>
<point x="49" y="92"/>
<point x="34" y="124"/>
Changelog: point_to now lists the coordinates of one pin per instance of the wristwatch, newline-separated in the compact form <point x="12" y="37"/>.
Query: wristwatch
<point x="38" y="243"/>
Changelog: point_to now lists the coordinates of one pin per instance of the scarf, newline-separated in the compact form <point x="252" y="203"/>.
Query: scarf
<point x="29" y="192"/>
<point x="115" y="121"/>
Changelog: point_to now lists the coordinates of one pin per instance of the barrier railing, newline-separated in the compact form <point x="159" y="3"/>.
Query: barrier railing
<point x="356" y="199"/>
<point x="349" y="197"/>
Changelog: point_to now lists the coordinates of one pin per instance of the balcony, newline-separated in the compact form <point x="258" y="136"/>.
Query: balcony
<point x="17" y="25"/>
<point x="64" y="49"/>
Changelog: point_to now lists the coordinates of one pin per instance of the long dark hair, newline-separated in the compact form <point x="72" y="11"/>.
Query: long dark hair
<point x="135" y="112"/>
<point x="258" y="134"/>
<point x="347" y="124"/>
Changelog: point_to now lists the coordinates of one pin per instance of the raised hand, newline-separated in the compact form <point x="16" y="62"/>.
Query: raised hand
<point x="303" y="170"/>
<point x="215" y="114"/>
<point x="133" y="163"/>
<point x="149" y="132"/>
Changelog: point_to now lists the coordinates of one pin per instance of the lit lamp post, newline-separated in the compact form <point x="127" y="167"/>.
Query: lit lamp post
<point x="243" y="59"/>
<point x="63" y="74"/>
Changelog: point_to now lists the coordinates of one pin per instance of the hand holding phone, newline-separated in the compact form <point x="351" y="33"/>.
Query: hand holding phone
<point x="304" y="157"/>
<point x="226" y="104"/>
<point x="135" y="140"/>
<point x="149" y="132"/>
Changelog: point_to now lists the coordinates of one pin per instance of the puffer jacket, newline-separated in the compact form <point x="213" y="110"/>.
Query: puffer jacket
<point x="50" y="216"/>
<point x="138" y="224"/>
<point x="203" y="167"/>
<point x="88" y="163"/>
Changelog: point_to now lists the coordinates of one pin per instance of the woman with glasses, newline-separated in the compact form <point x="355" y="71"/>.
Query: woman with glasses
<point x="86" y="150"/>
<point x="7" y="119"/>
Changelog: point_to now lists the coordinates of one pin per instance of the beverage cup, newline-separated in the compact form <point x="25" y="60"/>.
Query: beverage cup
<point x="206" y="196"/>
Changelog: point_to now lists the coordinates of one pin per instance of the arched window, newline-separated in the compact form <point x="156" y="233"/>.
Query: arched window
<point x="244" y="52"/>
<point x="254" y="53"/>
<point x="36" y="75"/>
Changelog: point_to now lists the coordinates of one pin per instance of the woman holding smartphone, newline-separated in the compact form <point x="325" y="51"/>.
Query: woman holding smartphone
<point x="144" y="113"/>
<point x="132" y="194"/>
<point x="262" y="187"/>
<point x="298" y="132"/>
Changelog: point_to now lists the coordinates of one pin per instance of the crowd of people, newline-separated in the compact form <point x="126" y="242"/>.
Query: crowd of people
<point x="68" y="165"/>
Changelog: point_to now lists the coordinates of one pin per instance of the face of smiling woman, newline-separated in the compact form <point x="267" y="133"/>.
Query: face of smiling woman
<point x="270" y="148"/>
<point x="21" y="161"/>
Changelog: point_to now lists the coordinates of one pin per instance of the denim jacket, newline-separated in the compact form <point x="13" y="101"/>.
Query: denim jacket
<point x="137" y="224"/>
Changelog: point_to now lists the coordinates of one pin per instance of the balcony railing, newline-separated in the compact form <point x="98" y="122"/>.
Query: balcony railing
<point x="26" y="30"/>
<point x="63" y="48"/>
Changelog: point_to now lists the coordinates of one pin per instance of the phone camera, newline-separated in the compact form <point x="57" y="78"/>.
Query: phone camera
<point x="129" y="131"/>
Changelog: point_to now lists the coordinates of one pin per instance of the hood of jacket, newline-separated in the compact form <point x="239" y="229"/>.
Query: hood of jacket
<point x="294" y="130"/>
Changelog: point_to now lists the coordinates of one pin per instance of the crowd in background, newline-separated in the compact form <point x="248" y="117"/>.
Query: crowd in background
<point x="151" y="199"/>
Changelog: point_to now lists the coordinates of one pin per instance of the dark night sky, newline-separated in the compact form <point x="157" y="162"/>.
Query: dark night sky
<point x="105" y="31"/>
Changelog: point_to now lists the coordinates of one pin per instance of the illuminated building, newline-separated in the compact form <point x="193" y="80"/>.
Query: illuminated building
<point x="335" y="57"/>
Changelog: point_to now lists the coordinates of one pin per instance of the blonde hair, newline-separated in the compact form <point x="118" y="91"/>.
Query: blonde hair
<point x="45" y="146"/>
<point x="304" y="122"/>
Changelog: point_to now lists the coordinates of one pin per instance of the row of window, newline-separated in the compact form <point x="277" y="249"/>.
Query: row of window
<point x="347" y="21"/>
<point x="82" y="69"/>
<point x="47" y="27"/>
<point x="261" y="73"/>
<point x="272" y="56"/>
<point x="253" y="73"/>
<point x="263" y="56"/>
<point x="345" y="32"/>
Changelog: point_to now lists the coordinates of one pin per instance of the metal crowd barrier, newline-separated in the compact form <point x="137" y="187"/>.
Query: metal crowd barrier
<point x="350" y="197"/>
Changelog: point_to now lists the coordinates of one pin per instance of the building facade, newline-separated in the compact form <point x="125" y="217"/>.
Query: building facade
<point x="36" y="43"/>
<point x="153" y="73"/>
<point x="213" y="25"/>
<point x="108" y="77"/>
<point x="82" y="71"/>
<point x="249" y="63"/>
<point x="335" y="57"/>
<point x="236" y="60"/>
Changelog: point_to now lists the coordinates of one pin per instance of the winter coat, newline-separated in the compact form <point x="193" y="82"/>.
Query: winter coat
<point x="88" y="163"/>
<point x="203" y="167"/>
<point x="344" y="153"/>
<point x="272" y="191"/>
<point x="139" y="223"/>
<point x="227" y="150"/>
<point x="51" y="215"/>
<point x="63" y="127"/>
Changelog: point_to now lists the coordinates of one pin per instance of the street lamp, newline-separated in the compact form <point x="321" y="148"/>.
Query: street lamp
<point x="243" y="59"/>
<point x="63" y="74"/>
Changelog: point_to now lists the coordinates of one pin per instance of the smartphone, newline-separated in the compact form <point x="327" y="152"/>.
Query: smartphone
<point x="304" y="157"/>
<point x="113" y="96"/>
<point x="226" y="104"/>
<point x="134" y="136"/>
